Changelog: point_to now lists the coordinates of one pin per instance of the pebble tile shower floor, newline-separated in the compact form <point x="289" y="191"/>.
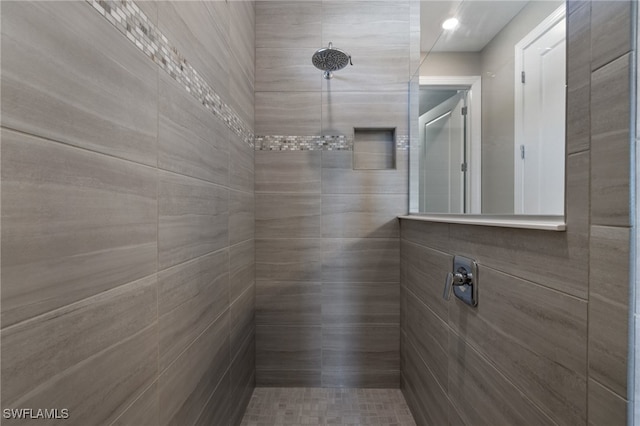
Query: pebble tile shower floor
<point x="322" y="406"/>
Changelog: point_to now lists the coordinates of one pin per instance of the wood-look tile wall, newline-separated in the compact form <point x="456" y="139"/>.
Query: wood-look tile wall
<point x="128" y="285"/>
<point x="327" y="237"/>
<point x="547" y="343"/>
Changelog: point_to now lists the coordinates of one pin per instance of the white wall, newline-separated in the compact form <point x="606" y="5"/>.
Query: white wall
<point x="498" y="68"/>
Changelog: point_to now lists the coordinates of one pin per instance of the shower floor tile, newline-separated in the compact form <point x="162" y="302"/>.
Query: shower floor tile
<point x="322" y="406"/>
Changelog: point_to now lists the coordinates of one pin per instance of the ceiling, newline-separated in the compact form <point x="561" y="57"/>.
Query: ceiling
<point x="480" y="21"/>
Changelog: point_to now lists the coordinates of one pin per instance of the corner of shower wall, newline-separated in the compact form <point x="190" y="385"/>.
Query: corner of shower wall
<point x="634" y="328"/>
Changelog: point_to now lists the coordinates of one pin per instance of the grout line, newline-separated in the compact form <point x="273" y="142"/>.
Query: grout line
<point x="628" y="52"/>
<point x="409" y="341"/>
<point x="114" y="157"/>
<point x="27" y="396"/>
<point x="608" y="389"/>
<point x="170" y="172"/>
<point x="580" y="151"/>
<point x="234" y="301"/>
<point x="483" y="265"/>
<point x="54" y="313"/>
<point x="74" y="146"/>
<point x="507" y="379"/>
<point x="154" y="382"/>
<point x="157" y="396"/>
<point x="195" y="339"/>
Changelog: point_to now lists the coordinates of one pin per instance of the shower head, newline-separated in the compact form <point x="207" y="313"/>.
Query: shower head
<point x="330" y="59"/>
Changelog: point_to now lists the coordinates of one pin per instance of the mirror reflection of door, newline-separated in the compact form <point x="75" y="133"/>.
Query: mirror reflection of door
<point x="483" y="45"/>
<point x="444" y="153"/>
<point x="540" y="119"/>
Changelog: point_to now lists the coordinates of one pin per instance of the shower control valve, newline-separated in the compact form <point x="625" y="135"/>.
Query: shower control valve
<point x="463" y="281"/>
<point x="459" y="278"/>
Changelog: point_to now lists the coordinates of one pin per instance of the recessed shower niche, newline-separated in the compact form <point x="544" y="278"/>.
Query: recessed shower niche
<point x="374" y="148"/>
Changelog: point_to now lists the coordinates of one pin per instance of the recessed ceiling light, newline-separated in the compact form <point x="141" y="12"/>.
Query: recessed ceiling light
<point x="450" y="24"/>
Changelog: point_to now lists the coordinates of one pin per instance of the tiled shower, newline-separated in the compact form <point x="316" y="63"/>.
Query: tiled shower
<point x="188" y="214"/>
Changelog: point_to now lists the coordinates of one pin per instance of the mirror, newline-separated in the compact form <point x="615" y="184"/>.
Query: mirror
<point x="488" y="109"/>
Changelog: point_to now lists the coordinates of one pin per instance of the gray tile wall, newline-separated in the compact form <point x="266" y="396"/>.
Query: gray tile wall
<point x="128" y="211"/>
<point x="327" y="237"/>
<point x="547" y="343"/>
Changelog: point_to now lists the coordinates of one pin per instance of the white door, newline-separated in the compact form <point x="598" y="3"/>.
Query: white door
<point x="444" y="156"/>
<point x="540" y="121"/>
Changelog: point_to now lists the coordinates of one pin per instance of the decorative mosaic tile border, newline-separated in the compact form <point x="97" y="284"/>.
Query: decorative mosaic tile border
<point x="402" y="143"/>
<point x="134" y="24"/>
<point x="303" y="143"/>
<point x="127" y="17"/>
<point x="314" y="143"/>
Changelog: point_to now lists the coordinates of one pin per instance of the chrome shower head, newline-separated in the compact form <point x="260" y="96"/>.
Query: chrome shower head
<point x="330" y="59"/>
